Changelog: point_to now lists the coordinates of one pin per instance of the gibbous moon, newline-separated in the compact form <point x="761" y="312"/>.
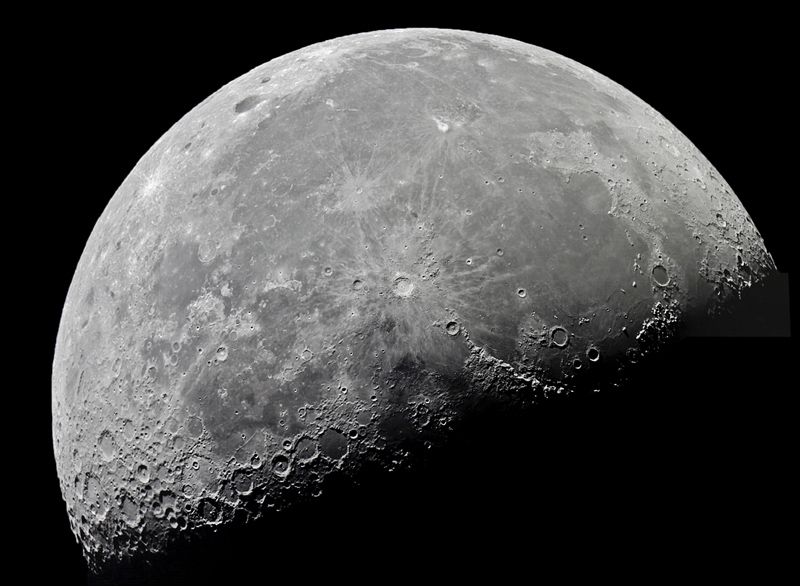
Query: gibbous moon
<point x="341" y="257"/>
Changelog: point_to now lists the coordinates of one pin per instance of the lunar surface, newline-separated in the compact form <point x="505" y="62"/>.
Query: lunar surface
<point x="344" y="258"/>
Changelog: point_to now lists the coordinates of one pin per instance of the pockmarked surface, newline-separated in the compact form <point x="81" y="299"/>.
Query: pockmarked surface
<point x="339" y="256"/>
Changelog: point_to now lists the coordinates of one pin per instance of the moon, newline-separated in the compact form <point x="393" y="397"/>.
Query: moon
<point x="287" y="287"/>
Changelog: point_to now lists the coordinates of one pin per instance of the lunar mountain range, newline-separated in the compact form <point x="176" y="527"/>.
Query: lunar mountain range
<point x="368" y="253"/>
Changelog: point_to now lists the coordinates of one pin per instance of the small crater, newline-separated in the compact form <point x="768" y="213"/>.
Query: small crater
<point x="327" y="271"/>
<point x="194" y="426"/>
<point x="403" y="287"/>
<point x="500" y="252"/>
<point x="209" y="510"/>
<point x="442" y="125"/>
<point x="358" y="285"/>
<point x="207" y="251"/>
<point x="242" y="481"/>
<point x="306" y="449"/>
<point x="452" y="328"/>
<point x="143" y="474"/>
<point x="281" y="466"/>
<point x="660" y="275"/>
<point x="522" y="293"/>
<point x="107" y="445"/>
<point x="151" y="374"/>
<point x="593" y="354"/>
<point x="559" y="336"/>
<point x="248" y="103"/>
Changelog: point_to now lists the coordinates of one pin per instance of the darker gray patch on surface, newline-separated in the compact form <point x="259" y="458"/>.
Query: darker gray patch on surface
<point x="178" y="278"/>
<point x="332" y="444"/>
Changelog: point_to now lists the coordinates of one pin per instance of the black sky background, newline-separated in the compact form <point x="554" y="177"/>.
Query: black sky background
<point x="711" y="444"/>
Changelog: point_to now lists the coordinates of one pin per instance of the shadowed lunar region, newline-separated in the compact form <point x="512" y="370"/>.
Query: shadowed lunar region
<point x="374" y="286"/>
